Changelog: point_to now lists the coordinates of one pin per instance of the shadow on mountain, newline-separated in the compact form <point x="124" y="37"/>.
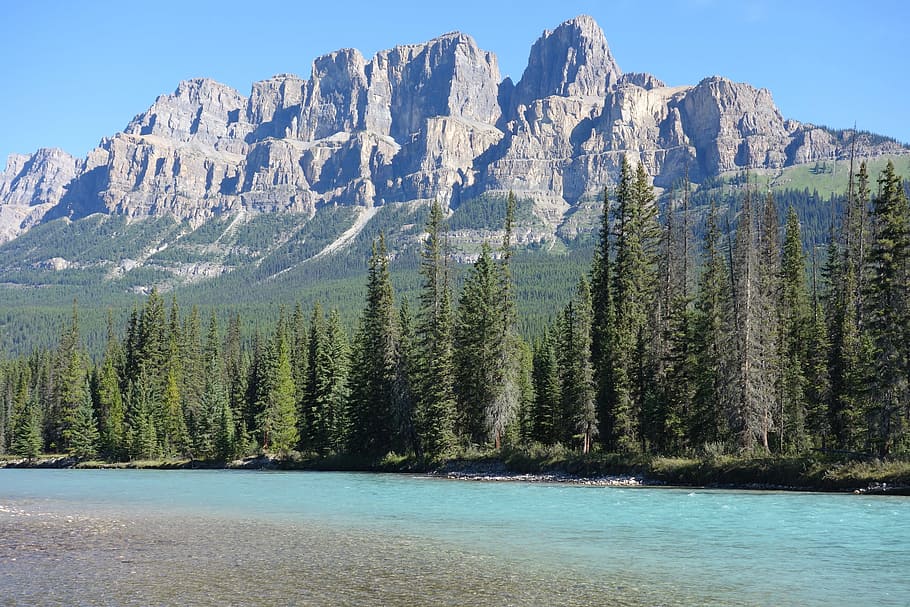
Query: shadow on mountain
<point x="81" y="198"/>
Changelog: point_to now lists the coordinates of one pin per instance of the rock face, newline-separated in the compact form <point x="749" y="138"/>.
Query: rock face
<point x="415" y="122"/>
<point x="31" y="186"/>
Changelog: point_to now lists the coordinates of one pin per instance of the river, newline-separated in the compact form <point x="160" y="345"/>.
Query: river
<point x="146" y="537"/>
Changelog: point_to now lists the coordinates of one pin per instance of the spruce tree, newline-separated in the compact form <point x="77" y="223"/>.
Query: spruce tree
<point x="524" y="429"/>
<point x="484" y="383"/>
<point x="817" y="372"/>
<point x="604" y="320"/>
<point x="578" y="412"/>
<point x="237" y="364"/>
<point x="404" y="388"/>
<point x="192" y="365"/>
<point x="373" y="422"/>
<point x="548" y="398"/>
<point x="633" y="277"/>
<point x="299" y="353"/>
<point x="70" y="382"/>
<point x="505" y="406"/>
<point x="755" y="376"/>
<point x="225" y="434"/>
<point x="744" y="416"/>
<point x="845" y="398"/>
<point x="142" y="435"/>
<point x="277" y="419"/>
<point x="672" y="411"/>
<point x="434" y="338"/>
<point x="316" y="391"/>
<point x="219" y="421"/>
<point x="26" y="423"/>
<point x="850" y="360"/>
<point x="173" y="434"/>
<point x="256" y="384"/>
<point x="84" y="435"/>
<point x="795" y="340"/>
<point x="888" y="317"/>
<point x="769" y="321"/>
<point x="336" y="380"/>
<point x="111" y="409"/>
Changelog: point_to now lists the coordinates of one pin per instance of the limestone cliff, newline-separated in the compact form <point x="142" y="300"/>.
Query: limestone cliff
<point x="416" y="122"/>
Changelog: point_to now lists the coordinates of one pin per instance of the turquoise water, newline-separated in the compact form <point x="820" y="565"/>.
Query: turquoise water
<point x="117" y="537"/>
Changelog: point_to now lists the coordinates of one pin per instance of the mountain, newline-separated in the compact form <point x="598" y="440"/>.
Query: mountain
<point x="278" y="194"/>
<point x="417" y="122"/>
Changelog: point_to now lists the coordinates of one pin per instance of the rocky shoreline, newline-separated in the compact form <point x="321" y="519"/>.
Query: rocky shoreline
<point x="460" y="470"/>
<point x="497" y="471"/>
<point x="598" y="481"/>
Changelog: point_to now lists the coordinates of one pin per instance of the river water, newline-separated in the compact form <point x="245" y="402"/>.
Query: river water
<point x="143" y="537"/>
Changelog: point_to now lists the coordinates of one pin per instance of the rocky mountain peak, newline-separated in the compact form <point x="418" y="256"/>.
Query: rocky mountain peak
<point x="572" y="60"/>
<point x="30" y="186"/>
<point x="417" y="122"/>
<point x="448" y="75"/>
<point x="200" y="110"/>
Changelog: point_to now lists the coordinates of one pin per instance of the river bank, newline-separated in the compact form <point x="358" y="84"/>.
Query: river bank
<point x="726" y="472"/>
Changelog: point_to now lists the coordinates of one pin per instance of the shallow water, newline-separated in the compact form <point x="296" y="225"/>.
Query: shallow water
<point x="140" y="537"/>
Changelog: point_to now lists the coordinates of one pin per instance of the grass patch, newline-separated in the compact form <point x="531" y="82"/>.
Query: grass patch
<point x="804" y="472"/>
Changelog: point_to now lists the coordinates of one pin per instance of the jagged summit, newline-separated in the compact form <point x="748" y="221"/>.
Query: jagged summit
<point x="572" y="60"/>
<point x="416" y="122"/>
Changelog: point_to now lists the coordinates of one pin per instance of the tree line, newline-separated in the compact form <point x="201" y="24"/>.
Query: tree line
<point x="738" y="341"/>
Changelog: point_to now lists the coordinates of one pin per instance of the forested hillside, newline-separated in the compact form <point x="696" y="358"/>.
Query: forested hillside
<point x="684" y="335"/>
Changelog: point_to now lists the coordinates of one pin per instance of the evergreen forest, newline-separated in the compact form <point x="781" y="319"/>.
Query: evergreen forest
<point x="690" y="333"/>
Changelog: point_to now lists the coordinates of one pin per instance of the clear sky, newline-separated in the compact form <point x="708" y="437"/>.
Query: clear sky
<point x="73" y="72"/>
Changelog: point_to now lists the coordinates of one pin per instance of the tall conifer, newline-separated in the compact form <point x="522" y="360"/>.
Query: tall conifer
<point x="374" y="424"/>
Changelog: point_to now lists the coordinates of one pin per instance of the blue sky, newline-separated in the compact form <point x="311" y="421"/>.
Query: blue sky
<point x="74" y="72"/>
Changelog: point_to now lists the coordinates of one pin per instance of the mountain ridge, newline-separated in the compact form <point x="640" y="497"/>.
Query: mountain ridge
<point x="414" y="123"/>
